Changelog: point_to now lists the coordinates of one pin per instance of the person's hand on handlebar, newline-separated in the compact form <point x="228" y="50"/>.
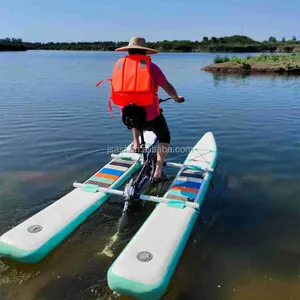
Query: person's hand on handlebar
<point x="170" y="90"/>
<point x="179" y="99"/>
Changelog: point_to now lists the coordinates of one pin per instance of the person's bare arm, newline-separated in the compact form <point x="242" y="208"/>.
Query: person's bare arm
<point x="170" y="90"/>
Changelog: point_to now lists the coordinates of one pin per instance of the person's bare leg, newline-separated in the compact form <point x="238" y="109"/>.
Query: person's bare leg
<point x="162" y="152"/>
<point x="136" y="142"/>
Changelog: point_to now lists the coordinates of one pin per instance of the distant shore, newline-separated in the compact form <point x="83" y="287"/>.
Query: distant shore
<point x="11" y="47"/>
<point x="263" y="64"/>
<point x="233" y="44"/>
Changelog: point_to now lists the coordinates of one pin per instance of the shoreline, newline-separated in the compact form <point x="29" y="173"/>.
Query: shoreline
<point x="169" y="51"/>
<point x="226" y="44"/>
<point x="260" y="68"/>
<point x="12" y="48"/>
<point x="160" y="51"/>
<point x="264" y="64"/>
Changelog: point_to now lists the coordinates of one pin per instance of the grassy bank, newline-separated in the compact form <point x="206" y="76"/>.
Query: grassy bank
<point x="272" y="63"/>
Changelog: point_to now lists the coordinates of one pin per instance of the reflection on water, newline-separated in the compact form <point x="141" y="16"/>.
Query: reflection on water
<point x="245" y="245"/>
<point x="281" y="77"/>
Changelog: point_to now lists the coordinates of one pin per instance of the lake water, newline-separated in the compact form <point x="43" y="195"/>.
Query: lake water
<point x="55" y="128"/>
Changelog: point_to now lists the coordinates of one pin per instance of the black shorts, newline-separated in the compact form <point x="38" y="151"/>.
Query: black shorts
<point x="160" y="127"/>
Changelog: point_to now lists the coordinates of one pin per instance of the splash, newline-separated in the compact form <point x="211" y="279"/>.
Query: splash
<point x="123" y="221"/>
<point x="108" y="248"/>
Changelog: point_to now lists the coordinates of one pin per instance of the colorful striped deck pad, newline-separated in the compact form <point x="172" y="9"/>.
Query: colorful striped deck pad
<point x="118" y="168"/>
<point x="192" y="174"/>
<point x="102" y="179"/>
<point x="186" y="183"/>
<point x="110" y="173"/>
<point x="186" y="186"/>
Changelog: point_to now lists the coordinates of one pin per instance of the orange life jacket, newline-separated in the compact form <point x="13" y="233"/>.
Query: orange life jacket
<point x="131" y="82"/>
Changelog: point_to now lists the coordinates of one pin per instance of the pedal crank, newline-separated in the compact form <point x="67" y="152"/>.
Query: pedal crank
<point x="129" y="193"/>
<point x="135" y="186"/>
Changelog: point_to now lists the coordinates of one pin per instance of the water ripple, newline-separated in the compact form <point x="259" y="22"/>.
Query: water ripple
<point x="56" y="127"/>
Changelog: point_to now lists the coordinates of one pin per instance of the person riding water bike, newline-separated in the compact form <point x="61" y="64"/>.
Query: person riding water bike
<point x="135" y="81"/>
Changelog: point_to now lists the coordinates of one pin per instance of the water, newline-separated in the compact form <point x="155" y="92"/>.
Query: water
<point x="56" y="128"/>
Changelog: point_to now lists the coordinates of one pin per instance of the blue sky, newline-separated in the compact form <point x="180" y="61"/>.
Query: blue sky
<point x="91" y="20"/>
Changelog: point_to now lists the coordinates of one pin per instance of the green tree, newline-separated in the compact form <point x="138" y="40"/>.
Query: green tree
<point x="272" y="39"/>
<point x="214" y="39"/>
<point x="283" y="39"/>
<point x="294" y="39"/>
<point x="166" y="45"/>
<point x="205" y="39"/>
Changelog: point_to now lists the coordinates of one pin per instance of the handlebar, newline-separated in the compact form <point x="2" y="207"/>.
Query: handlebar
<point x="167" y="99"/>
<point x="164" y="100"/>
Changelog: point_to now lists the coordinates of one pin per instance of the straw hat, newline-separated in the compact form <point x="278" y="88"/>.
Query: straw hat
<point x="137" y="43"/>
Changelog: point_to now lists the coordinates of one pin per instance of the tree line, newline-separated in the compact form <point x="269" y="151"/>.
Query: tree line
<point x="236" y="43"/>
<point x="13" y="44"/>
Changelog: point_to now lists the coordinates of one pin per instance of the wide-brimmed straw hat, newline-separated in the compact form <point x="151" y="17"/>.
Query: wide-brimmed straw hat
<point x="137" y="43"/>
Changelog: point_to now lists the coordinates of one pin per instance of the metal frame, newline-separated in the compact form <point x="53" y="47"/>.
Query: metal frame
<point x="134" y="187"/>
<point x="138" y="196"/>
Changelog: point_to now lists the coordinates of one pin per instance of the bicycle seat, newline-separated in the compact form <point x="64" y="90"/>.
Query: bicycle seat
<point x="134" y="116"/>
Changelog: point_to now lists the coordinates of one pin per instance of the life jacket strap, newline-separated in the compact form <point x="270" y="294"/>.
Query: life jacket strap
<point x="109" y="99"/>
<point x="101" y="81"/>
<point x="110" y="107"/>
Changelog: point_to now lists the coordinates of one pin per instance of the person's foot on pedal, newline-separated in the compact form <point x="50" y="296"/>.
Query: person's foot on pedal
<point x="157" y="180"/>
<point x="162" y="178"/>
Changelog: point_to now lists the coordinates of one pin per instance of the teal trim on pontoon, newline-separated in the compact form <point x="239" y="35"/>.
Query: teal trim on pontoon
<point x="25" y="256"/>
<point x="38" y="254"/>
<point x="152" y="292"/>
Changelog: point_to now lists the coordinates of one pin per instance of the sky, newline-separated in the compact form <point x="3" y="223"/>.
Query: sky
<point x="115" y="20"/>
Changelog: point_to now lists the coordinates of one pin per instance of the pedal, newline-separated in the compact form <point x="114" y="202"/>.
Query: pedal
<point x="163" y="179"/>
